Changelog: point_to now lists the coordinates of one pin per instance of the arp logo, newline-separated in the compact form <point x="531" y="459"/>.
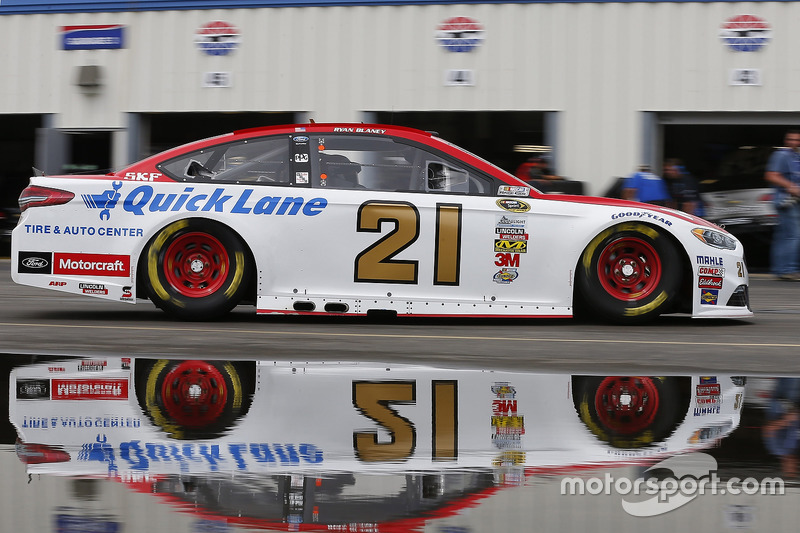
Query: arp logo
<point x="105" y="201"/>
<point x="57" y="283"/>
<point x="517" y="247"/>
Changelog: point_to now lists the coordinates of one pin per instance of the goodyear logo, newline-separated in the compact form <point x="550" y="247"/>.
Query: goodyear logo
<point x="517" y="247"/>
<point x="144" y="199"/>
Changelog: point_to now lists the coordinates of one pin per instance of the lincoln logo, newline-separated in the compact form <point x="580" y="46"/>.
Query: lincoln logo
<point x="34" y="262"/>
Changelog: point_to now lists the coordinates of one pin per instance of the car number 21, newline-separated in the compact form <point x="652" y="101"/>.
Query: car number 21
<point x="376" y="263"/>
<point x="374" y="399"/>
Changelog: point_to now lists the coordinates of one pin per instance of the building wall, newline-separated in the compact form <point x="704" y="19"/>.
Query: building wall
<point x="599" y="65"/>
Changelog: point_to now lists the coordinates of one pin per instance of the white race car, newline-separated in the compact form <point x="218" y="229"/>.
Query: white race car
<point x="265" y="443"/>
<point x="117" y="416"/>
<point x="350" y="219"/>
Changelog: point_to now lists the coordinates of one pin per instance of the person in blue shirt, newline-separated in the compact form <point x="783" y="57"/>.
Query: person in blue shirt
<point x="644" y="186"/>
<point x="783" y="173"/>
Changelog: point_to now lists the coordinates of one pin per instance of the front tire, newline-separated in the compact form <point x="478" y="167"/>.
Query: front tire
<point x="196" y="270"/>
<point x="629" y="411"/>
<point x="630" y="273"/>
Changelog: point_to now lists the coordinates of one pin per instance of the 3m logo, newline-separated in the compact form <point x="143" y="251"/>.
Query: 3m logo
<point x="110" y="265"/>
<point x="506" y="260"/>
<point x="517" y="247"/>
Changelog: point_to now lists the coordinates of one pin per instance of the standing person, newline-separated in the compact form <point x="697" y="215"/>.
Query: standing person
<point x="683" y="188"/>
<point x="644" y="186"/>
<point x="783" y="172"/>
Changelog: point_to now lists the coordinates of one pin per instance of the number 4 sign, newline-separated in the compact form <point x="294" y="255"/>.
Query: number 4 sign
<point x="217" y="79"/>
<point x="745" y="76"/>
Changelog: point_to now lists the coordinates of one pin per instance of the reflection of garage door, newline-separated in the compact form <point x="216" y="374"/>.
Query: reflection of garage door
<point x="489" y="134"/>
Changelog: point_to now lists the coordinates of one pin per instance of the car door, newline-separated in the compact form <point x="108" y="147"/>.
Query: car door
<point x="403" y="222"/>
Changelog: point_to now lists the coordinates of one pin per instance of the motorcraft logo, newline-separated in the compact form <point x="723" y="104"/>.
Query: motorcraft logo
<point x="112" y="265"/>
<point x="35" y="263"/>
<point x="90" y="389"/>
<point x="692" y="474"/>
<point x="144" y="199"/>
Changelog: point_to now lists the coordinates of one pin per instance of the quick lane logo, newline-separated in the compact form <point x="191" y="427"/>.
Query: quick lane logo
<point x="35" y="262"/>
<point x="105" y="201"/>
<point x="144" y="199"/>
<point x="117" y="266"/>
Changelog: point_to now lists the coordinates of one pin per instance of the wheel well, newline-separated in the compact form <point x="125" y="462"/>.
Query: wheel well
<point x="141" y="264"/>
<point x="683" y="301"/>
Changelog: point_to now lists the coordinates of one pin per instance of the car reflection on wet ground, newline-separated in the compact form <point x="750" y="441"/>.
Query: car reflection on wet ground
<point x="134" y="444"/>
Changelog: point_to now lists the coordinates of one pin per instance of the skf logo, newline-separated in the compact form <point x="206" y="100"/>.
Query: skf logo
<point x="57" y="283"/>
<point x="105" y="201"/>
<point x="517" y="247"/>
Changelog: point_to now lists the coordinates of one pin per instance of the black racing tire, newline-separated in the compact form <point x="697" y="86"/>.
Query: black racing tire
<point x="196" y="269"/>
<point x="630" y="412"/>
<point x="630" y="273"/>
<point x="194" y="399"/>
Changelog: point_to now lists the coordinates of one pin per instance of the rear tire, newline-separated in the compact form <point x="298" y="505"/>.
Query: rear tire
<point x="193" y="399"/>
<point x="197" y="270"/>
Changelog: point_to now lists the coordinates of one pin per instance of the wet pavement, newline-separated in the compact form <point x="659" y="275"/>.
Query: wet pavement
<point x="113" y="444"/>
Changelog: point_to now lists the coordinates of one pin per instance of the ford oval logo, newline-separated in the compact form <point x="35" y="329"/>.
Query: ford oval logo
<point x="35" y="262"/>
<point x="300" y="139"/>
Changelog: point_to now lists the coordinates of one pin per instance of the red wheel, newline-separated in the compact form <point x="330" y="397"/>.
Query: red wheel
<point x="629" y="273"/>
<point x="195" y="264"/>
<point x="194" y="393"/>
<point x="196" y="269"/>
<point x="629" y="269"/>
<point x="626" y="405"/>
<point x="194" y="399"/>
<point x="631" y="411"/>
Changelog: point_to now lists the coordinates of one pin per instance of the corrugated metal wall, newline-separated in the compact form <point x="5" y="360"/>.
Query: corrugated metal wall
<point x="599" y="65"/>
